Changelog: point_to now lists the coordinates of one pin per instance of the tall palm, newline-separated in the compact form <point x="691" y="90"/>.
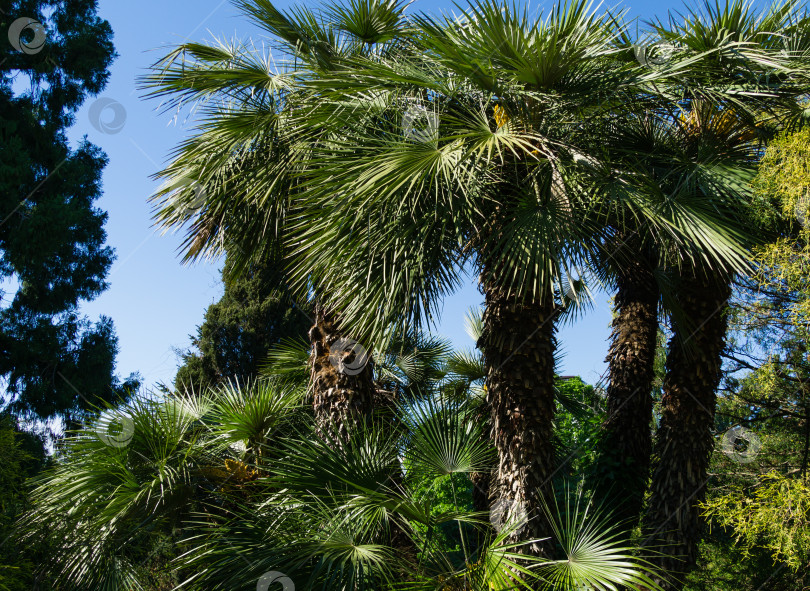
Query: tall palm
<point x="481" y="144"/>
<point x="658" y="150"/>
<point x="649" y="149"/>
<point x="497" y="95"/>
<point x="234" y="182"/>
<point x="764" y="57"/>
<point x="626" y="443"/>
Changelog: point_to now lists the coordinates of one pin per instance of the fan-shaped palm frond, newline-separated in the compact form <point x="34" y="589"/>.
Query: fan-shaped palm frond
<point x="411" y="364"/>
<point x="594" y="555"/>
<point x="288" y="359"/>
<point x="328" y="514"/>
<point x="465" y="376"/>
<point x="474" y="323"/>
<point x="443" y="438"/>
<point x="252" y="413"/>
<point x="116" y="484"/>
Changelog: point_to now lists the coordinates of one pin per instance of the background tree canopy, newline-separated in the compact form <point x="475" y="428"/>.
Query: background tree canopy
<point x="255" y="312"/>
<point x="52" y="253"/>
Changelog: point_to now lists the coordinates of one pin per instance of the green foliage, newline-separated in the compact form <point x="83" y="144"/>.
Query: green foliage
<point x="51" y="235"/>
<point x="22" y="455"/>
<point x="202" y="476"/>
<point x="255" y="313"/>
<point x="593" y="553"/>
<point x="760" y="505"/>
<point x="776" y="515"/>
<point x="451" y="493"/>
<point x="577" y="424"/>
<point x="110" y="507"/>
<point x="719" y="568"/>
<point x="783" y="180"/>
<point x="444" y="439"/>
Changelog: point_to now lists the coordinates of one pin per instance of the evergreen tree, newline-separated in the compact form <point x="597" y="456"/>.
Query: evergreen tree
<point x="52" y="254"/>
<point x="255" y="312"/>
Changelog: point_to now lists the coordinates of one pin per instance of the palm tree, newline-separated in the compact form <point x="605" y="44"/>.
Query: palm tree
<point x="652" y="150"/>
<point x="234" y="183"/>
<point x="243" y="485"/>
<point x="659" y="151"/>
<point x="479" y="144"/>
<point x="763" y="56"/>
<point x="490" y="179"/>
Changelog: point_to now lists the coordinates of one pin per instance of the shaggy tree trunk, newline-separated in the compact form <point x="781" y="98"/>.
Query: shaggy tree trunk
<point x="518" y="345"/>
<point x="480" y="491"/>
<point x="623" y="467"/>
<point x="684" y="440"/>
<point x="341" y="376"/>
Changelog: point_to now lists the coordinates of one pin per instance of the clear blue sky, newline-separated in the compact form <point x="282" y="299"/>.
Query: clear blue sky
<point x="156" y="302"/>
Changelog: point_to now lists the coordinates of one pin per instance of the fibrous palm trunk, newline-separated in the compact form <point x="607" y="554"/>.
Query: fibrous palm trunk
<point x="518" y="346"/>
<point x="341" y="376"/>
<point x="624" y="460"/>
<point x="345" y="396"/>
<point x="684" y="441"/>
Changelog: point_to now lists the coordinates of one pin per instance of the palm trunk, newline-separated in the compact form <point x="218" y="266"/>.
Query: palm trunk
<point x="623" y="466"/>
<point x="480" y="491"/>
<point x="684" y="441"/>
<point x="518" y="346"/>
<point x="341" y="378"/>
